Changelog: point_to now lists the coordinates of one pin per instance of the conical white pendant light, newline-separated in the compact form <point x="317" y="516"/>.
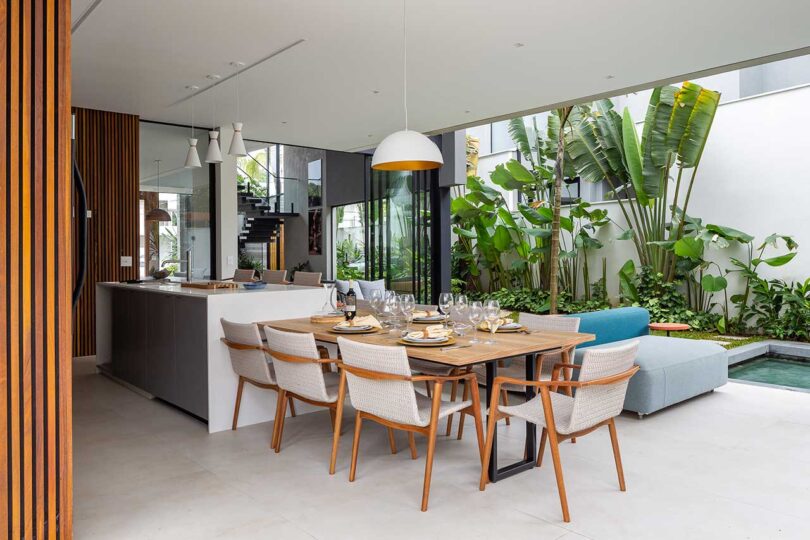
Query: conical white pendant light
<point x="192" y="158"/>
<point x="237" y="147"/>
<point x="158" y="213"/>
<point x="213" y="155"/>
<point x="406" y="150"/>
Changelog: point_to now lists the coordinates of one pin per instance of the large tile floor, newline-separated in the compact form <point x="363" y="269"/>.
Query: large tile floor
<point x="732" y="464"/>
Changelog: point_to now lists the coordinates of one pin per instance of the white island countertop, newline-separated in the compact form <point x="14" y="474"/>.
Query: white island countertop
<point x="176" y="288"/>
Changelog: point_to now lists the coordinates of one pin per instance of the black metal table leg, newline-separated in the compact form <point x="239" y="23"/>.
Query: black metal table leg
<point x="528" y="461"/>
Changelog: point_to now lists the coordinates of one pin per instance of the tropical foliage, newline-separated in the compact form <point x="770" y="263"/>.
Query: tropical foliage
<point x="678" y="272"/>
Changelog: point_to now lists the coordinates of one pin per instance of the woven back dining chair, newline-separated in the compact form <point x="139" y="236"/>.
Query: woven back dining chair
<point x="307" y="279"/>
<point x="431" y="368"/>
<point x="599" y="397"/>
<point x="299" y="370"/>
<point x="248" y="360"/>
<point x="276" y="277"/>
<point x="516" y="367"/>
<point x="382" y="390"/>
<point x="243" y="275"/>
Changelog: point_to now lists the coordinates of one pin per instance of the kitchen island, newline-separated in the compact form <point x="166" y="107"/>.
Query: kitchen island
<point x="164" y="341"/>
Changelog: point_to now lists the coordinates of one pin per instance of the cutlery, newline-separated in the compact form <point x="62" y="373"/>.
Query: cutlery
<point x="455" y="347"/>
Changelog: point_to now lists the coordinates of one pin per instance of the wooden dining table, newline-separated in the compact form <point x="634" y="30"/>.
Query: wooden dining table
<point x="461" y="355"/>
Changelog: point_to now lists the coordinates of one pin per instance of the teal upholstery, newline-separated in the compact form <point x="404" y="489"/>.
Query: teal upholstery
<point x="611" y="325"/>
<point x="671" y="369"/>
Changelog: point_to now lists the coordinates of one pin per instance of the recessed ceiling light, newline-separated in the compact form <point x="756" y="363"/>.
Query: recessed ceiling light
<point x="370" y="135"/>
<point x="375" y="91"/>
<point x="610" y="76"/>
<point x="283" y="121"/>
<point x="193" y="87"/>
<point x="518" y="45"/>
<point x="467" y="111"/>
<point x="213" y="77"/>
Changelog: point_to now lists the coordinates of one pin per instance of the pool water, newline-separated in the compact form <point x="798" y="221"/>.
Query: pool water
<point x="774" y="369"/>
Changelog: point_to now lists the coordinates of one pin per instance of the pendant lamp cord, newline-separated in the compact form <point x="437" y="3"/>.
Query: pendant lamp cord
<point x="405" y="62"/>
<point x="191" y="102"/>
<point x="238" y="118"/>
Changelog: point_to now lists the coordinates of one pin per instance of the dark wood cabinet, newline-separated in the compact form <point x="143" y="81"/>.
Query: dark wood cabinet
<point x="159" y="344"/>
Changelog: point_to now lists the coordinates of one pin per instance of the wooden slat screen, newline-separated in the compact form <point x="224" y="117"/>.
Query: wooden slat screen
<point x="107" y="152"/>
<point x="35" y="270"/>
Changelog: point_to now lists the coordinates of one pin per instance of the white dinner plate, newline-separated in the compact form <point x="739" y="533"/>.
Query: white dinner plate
<point x="438" y="339"/>
<point x="349" y="329"/>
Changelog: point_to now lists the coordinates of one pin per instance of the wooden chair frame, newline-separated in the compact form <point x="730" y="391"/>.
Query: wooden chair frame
<point x="243" y="380"/>
<point x="429" y="431"/>
<point x="285" y="396"/>
<point x="504" y="395"/>
<point x="550" y="432"/>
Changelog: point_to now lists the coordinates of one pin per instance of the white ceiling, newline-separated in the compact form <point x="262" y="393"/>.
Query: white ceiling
<point x="138" y="57"/>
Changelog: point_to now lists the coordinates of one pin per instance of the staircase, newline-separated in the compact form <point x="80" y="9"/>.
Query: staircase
<point x="262" y="217"/>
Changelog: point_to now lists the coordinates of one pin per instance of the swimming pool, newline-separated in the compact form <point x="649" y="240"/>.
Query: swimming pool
<point x="774" y="369"/>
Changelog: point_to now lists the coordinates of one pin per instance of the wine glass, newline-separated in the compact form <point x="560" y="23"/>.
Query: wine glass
<point x="461" y="299"/>
<point x="445" y="302"/>
<point x="377" y="300"/>
<point x="475" y="313"/>
<point x="492" y="312"/>
<point x="407" y="303"/>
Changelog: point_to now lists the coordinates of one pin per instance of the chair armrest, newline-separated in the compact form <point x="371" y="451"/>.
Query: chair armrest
<point x="299" y="359"/>
<point x="444" y="378"/>
<point x="610" y="379"/>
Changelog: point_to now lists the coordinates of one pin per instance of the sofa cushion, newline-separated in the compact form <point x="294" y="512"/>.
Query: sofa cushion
<point x="671" y="370"/>
<point x="611" y="325"/>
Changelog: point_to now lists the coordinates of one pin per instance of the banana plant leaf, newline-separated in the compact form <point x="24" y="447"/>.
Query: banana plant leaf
<point x="697" y="129"/>
<point x="632" y="154"/>
<point x="517" y="131"/>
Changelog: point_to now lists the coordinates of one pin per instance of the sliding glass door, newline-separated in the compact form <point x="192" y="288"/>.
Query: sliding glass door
<point x="398" y="221"/>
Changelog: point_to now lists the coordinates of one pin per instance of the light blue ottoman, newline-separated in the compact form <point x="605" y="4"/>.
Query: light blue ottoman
<point x="671" y="369"/>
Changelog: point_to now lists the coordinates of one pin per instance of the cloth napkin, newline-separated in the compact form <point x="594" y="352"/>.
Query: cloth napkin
<point x="432" y="331"/>
<point x="419" y="314"/>
<point x="369" y="320"/>
<point x="497" y="324"/>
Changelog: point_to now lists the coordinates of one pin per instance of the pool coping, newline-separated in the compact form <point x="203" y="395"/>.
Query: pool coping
<point x="775" y="346"/>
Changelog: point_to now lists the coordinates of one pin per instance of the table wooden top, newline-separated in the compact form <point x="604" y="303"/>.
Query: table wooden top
<point x="507" y="344"/>
<point x="669" y="326"/>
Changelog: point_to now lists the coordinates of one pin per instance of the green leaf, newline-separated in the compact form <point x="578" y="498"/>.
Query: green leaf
<point x="541" y="216"/>
<point x="632" y="154"/>
<point x="700" y="122"/>
<point x="502" y="239"/>
<point x="506" y="217"/>
<point x="713" y="284"/>
<point x="626" y="274"/>
<point x="780" y="260"/>
<point x="566" y="224"/>
<point x="464" y="232"/>
<point x="517" y="131"/>
<point x="689" y="247"/>
<point x="519" y="172"/>
<point x="729" y="233"/>
<point x="463" y="208"/>
<point x="538" y="233"/>
<point x="721" y="325"/>
<point x="626" y="235"/>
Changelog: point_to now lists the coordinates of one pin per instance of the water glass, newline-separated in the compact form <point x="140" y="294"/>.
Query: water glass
<point x="475" y="313"/>
<point x="461" y="300"/>
<point x="407" y="303"/>
<point x="377" y="301"/>
<point x="445" y="303"/>
<point x="461" y="329"/>
<point x="492" y="312"/>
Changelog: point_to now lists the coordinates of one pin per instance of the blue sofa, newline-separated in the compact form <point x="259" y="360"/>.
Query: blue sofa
<point x="671" y="369"/>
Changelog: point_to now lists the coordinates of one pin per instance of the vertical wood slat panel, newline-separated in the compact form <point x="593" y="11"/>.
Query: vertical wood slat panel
<point x="35" y="370"/>
<point x="108" y="159"/>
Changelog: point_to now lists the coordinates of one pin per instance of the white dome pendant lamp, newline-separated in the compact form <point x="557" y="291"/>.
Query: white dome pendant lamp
<point x="192" y="158"/>
<point x="214" y="154"/>
<point x="237" y="147"/>
<point x="406" y="150"/>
